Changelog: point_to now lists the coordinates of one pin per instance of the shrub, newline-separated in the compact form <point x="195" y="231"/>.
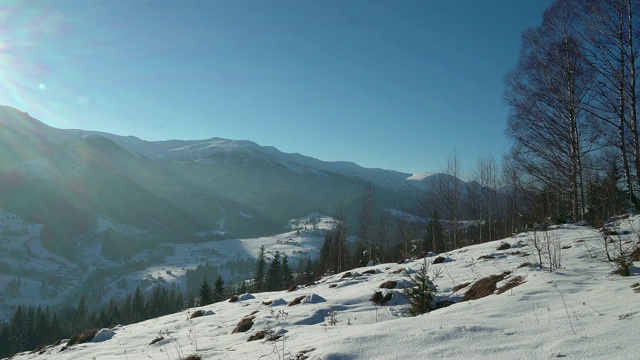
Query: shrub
<point x="622" y="266"/>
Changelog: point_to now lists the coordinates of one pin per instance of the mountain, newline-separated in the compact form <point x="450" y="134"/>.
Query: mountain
<point x="67" y="179"/>
<point x="495" y="302"/>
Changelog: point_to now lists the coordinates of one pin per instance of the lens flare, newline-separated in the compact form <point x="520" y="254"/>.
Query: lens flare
<point x="26" y="54"/>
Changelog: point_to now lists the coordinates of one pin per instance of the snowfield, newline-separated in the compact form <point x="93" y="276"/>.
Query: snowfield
<point x="578" y="311"/>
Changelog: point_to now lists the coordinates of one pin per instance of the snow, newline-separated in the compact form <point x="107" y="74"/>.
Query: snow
<point x="420" y="176"/>
<point x="578" y="311"/>
<point x="103" y="335"/>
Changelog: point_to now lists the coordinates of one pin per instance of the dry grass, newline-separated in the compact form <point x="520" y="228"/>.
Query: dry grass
<point x="196" y="314"/>
<point x="388" y="284"/>
<point x="157" y="339"/>
<point x="518" y="280"/>
<point x="460" y="287"/>
<point x="379" y="299"/>
<point x="263" y="334"/>
<point x="86" y="336"/>
<point x="483" y="287"/>
<point x="296" y="301"/>
<point x="244" y="325"/>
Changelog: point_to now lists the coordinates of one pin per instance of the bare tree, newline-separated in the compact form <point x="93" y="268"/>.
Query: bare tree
<point x="610" y="47"/>
<point x="482" y="197"/>
<point x="383" y="238"/>
<point x="366" y="222"/>
<point x="448" y="195"/>
<point x="547" y="93"/>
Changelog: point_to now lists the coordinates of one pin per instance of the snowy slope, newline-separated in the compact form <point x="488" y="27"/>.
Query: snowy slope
<point x="48" y="279"/>
<point x="578" y="311"/>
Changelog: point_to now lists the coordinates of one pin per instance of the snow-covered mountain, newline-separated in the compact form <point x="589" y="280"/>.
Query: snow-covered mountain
<point x="502" y="304"/>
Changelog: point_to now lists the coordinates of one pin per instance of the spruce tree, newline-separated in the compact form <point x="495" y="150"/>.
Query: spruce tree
<point x="259" y="278"/>
<point x="18" y="340"/>
<point x="218" y="292"/>
<point x="287" y="274"/>
<point x="206" y="295"/>
<point x="273" y="280"/>
<point x="137" y="306"/>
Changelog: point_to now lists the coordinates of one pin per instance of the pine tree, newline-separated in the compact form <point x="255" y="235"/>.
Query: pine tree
<point x="218" y="292"/>
<point x="206" y="295"/>
<point x="422" y="292"/>
<point x="259" y="278"/>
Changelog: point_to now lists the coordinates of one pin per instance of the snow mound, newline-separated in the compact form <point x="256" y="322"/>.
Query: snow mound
<point x="313" y="299"/>
<point x="103" y="335"/>
<point x="244" y="297"/>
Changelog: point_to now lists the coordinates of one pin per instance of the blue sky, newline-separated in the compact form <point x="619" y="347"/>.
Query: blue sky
<point x="389" y="84"/>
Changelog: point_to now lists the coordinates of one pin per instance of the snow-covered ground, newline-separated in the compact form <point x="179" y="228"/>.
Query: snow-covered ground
<point x="578" y="311"/>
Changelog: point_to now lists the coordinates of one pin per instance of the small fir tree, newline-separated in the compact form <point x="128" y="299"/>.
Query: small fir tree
<point x="422" y="292"/>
